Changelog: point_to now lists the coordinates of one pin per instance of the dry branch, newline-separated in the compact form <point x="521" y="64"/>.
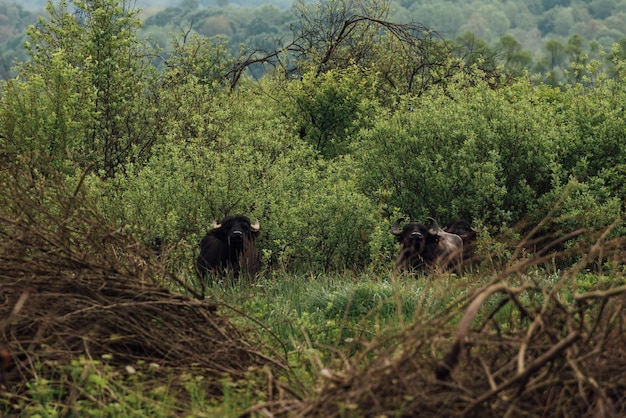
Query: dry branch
<point x="72" y="287"/>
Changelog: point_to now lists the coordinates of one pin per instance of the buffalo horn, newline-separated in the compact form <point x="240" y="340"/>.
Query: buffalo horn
<point x="395" y="228"/>
<point x="216" y="225"/>
<point x="433" y="228"/>
<point x="255" y="227"/>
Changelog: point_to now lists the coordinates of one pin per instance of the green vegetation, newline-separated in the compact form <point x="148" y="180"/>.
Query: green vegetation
<point x="334" y="138"/>
<point x="542" y="37"/>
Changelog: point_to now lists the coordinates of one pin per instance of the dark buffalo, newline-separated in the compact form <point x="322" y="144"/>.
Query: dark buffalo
<point x="229" y="246"/>
<point x="427" y="246"/>
<point x="463" y="229"/>
<point x="414" y="251"/>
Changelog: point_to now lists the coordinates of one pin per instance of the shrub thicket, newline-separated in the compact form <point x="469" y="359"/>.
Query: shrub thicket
<point x="324" y="161"/>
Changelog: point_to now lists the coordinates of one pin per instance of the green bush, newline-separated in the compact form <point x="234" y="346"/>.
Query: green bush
<point x="322" y="222"/>
<point x="492" y="156"/>
<point x="311" y="213"/>
<point x="580" y="205"/>
<point x="595" y="144"/>
<point x="324" y="161"/>
<point x="43" y="118"/>
<point x="328" y="109"/>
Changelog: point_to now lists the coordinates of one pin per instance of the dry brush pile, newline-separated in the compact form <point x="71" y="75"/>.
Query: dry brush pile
<point x="515" y="346"/>
<point x="71" y="287"/>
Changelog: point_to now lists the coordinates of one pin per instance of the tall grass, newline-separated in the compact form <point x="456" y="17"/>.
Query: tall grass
<point x="331" y="311"/>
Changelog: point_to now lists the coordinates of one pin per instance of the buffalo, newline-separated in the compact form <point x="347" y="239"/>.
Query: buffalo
<point x="463" y="229"/>
<point x="427" y="246"/>
<point x="414" y="249"/>
<point x="229" y="246"/>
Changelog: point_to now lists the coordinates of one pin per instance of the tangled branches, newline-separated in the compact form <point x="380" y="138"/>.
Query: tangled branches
<point x="71" y="287"/>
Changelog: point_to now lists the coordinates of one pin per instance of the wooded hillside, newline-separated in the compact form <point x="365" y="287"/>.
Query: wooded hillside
<point x="539" y="36"/>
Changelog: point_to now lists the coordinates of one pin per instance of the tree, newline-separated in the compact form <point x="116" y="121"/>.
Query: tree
<point x="475" y="51"/>
<point x="96" y="40"/>
<point x="556" y="53"/>
<point x="189" y="5"/>
<point x="337" y="34"/>
<point x="334" y="33"/>
<point x="515" y="59"/>
<point x="327" y="109"/>
<point x="549" y="4"/>
<point x="601" y="9"/>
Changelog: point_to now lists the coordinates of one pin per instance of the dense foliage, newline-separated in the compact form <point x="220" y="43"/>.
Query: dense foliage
<point x="325" y="160"/>
<point x="544" y="37"/>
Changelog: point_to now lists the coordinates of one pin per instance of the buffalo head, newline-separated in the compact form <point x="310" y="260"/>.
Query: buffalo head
<point x="449" y="249"/>
<point x="416" y="244"/>
<point x="468" y="234"/>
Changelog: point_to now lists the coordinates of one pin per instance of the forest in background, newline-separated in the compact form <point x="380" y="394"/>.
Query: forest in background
<point x="542" y="37"/>
<point x="117" y="156"/>
<point x="162" y="4"/>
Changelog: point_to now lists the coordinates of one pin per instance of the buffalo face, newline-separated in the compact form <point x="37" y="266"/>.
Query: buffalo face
<point x="229" y="246"/>
<point x="463" y="229"/>
<point x="415" y="244"/>
<point x="449" y="248"/>
<point x="234" y="230"/>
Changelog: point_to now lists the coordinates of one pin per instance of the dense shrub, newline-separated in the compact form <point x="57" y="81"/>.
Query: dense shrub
<point x="500" y="156"/>
<point x="328" y="109"/>
<point x="598" y="129"/>
<point x="471" y="152"/>
<point x="322" y="221"/>
<point x="310" y="211"/>
<point x="43" y="118"/>
<point x="325" y="160"/>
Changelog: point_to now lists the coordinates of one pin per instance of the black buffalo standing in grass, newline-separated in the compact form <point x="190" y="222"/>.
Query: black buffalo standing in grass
<point x="416" y="245"/>
<point x="229" y="246"/>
